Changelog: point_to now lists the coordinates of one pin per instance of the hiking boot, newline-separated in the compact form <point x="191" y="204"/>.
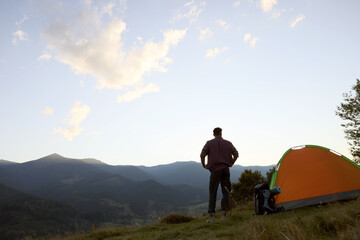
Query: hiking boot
<point x="223" y="215"/>
<point x="211" y="218"/>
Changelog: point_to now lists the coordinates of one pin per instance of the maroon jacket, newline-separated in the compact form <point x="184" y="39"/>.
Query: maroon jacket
<point x="219" y="152"/>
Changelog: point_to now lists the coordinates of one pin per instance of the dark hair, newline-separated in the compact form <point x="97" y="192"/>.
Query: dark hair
<point x="217" y="131"/>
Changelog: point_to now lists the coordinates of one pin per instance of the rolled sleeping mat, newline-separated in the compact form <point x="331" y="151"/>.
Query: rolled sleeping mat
<point x="275" y="190"/>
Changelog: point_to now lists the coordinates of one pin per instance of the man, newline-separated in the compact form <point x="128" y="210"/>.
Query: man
<point x="221" y="155"/>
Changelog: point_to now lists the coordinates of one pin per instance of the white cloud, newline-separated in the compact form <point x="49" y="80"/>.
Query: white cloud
<point x="223" y="24"/>
<point x="253" y="41"/>
<point x="237" y="3"/>
<point x="205" y="34"/>
<point x="77" y="115"/>
<point x="45" y="56"/>
<point x="297" y="20"/>
<point x="276" y="13"/>
<point x="48" y="111"/>
<point x="108" y="9"/>
<point x="211" y="53"/>
<point x="267" y="5"/>
<point x="137" y="93"/>
<point x="89" y="48"/>
<point x="19" y="35"/>
<point x="192" y="11"/>
<point x="18" y="23"/>
<point x="247" y="37"/>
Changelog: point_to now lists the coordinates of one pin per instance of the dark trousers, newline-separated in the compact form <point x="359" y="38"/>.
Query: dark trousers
<point x="223" y="177"/>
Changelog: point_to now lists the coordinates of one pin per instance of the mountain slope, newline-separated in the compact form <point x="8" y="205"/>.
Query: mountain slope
<point x="5" y="162"/>
<point x="32" y="175"/>
<point x="106" y="196"/>
<point x="130" y="172"/>
<point x="25" y="215"/>
<point x="193" y="174"/>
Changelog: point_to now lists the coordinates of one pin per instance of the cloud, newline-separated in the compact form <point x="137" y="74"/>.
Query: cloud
<point x="137" y="93"/>
<point x="267" y="5"/>
<point x="237" y="3"/>
<point x="19" y="35"/>
<point x="90" y="46"/>
<point x="192" y="11"/>
<point x="48" y="111"/>
<point x="211" y="53"/>
<point x="45" y="56"/>
<point x="77" y="115"/>
<point x="223" y="24"/>
<point x="253" y="41"/>
<point x="108" y="9"/>
<point x="247" y="37"/>
<point x="205" y="34"/>
<point x="19" y="23"/>
<point x="276" y="13"/>
<point x="297" y="20"/>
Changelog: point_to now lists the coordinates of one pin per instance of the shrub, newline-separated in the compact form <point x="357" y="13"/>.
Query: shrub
<point x="176" y="218"/>
<point x="244" y="190"/>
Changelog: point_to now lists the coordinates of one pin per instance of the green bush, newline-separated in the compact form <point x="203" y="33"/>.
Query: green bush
<point x="244" y="190"/>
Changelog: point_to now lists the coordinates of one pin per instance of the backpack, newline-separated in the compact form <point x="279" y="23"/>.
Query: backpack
<point x="264" y="199"/>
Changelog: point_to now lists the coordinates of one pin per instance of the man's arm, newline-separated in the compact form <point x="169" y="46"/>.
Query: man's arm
<point x="203" y="162"/>
<point x="234" y="160"/>
<point x="204" y="153"/>
<point x="234" y="153"/>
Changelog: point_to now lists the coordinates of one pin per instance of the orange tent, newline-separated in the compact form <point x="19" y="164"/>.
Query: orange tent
<point x="312" y="174"/>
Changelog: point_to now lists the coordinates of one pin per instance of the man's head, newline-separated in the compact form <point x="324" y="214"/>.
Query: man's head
<point x="217" y="132"/>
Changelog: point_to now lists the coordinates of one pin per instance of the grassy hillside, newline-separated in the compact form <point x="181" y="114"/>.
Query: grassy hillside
<point x="340" y="220"/>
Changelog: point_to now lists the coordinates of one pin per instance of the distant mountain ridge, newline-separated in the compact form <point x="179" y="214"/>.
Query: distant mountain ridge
<point x="99" y="189"/>
<point x="120" y="195"/>
<point x="5" y="162"/>
<point x="187" y="172"/>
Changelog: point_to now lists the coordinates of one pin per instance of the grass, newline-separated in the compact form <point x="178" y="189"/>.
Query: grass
<point x="340" y="220"/>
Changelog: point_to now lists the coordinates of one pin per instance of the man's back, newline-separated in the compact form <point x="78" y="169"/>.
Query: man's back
<point x="220" y="152"/>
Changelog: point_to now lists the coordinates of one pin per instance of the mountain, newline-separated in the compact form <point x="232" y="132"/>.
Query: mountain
<point x="237" y="170"/>
<point x="98" y="190"/>
<point x="33" y="175"/>
<point x="130" y="172"/>
<point x="23" y="215"/>
<point x="114" y="195"/>
<point x="193" y="174"/>
<point x="5" y="163"/>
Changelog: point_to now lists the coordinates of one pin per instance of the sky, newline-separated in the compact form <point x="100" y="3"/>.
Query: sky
<point x="144" y="82"/>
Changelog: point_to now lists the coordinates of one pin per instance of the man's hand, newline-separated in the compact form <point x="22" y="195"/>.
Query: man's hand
<point x="203" y="162"/>
<point x="233" y="160"/>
